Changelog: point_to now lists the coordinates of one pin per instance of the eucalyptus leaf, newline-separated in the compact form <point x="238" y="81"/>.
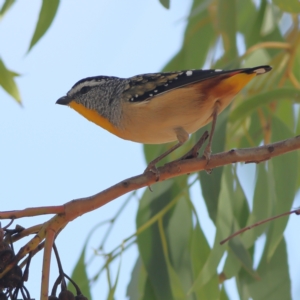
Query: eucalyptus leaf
<point x="5" y="7"/>
<point x="46" y="17"/>
<point x="8" y="83"/>
<point x="165" y="3"/>
<point x="290" y="6"/>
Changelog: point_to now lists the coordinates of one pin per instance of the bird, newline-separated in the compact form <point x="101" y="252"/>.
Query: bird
<point x="158" y="108"/>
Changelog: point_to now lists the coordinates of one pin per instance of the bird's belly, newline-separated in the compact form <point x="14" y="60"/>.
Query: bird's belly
<point x="155" y="121"/>
<point x="157" y="126"/>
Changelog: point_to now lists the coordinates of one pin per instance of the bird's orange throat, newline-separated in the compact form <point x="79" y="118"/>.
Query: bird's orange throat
<point x="94" y="116"/>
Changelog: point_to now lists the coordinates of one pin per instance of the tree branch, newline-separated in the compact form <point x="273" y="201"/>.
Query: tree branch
<point x="75" y="208"/>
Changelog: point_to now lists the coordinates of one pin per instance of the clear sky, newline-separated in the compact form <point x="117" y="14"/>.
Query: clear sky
<point x="50" y="154"/>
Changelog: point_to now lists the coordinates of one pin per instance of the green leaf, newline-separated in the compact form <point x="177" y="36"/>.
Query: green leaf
<point x="249" y="27"/>
<point x="296" y="64"/>
<point x="255" y="33"/>
<point x="198" y="38"/>
<point x="112" y="289"/>
<point x="242" y="255"/>
<point x="262" y="206"/>
<point x="290" y="6"/>
<point x="232" y="265"/>
<point x="248" y="106"/>
<point x="8" y="83"/>
<point x="158" y="204"/>
<point x="274" y="283"/>
<point x="149" y="293"/>
<point x="175" y="283"/>
<point x="224" y="222"/>
<point x="240" y="210"/>
<point x="165" y="3"/>
<point x="223" y="295"/>
<point x="47" y="14"/>
<point x="297" y="132"/>
<point x="200" y="252"/>
<point x="177" y="256"/>
<point x="211" y="183"/>
<point x="5" y="7"/>
<point x="135" y="288"/>
<point x="226" y="10"/>
<point x="282" y="169"/>
<point x="79" y="275"/>
<point x="285" y="112"/>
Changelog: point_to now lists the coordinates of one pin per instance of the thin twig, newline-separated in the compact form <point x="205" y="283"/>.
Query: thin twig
<point x="296" y="211"/>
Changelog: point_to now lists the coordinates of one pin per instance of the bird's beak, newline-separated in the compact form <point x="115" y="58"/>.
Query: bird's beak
<point x="65" y="100"/>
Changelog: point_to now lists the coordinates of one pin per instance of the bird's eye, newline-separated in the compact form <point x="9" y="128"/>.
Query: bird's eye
<point x="85" y="89"/>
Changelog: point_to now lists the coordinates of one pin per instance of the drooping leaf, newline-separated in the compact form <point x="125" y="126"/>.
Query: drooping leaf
<point x="224" y="221"/>
<point x="165" y="3"/>
<point x="274" y="283"/>
<point x="149" y="240"/>
<point x="5" y="7"/>
<point x="198" y="38"/>
<point x="200" y="252"/>
<point x="232" y="266"/>
<point x="248" y="106"/>
<point x="79" y="275"/>
<point x="46" y="17"/>
<point x="135" y="288"/>
<point x="226" y="10"/>
<point x="242" y="255"/>
<point x="211" y="183"/>
<point x="7" y="82"/>
<point x="177" y="254"/>
<point x="290" y="6"/>
<point x="282" y="169"/>
<point x="262" y="206"/>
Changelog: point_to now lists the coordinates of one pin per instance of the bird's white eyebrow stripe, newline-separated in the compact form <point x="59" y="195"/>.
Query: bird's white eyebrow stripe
<point x="90" y="83"/>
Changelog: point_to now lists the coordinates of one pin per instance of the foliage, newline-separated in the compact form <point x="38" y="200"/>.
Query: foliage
<point x="176" y="260"/>
<point x="46" y="17"/>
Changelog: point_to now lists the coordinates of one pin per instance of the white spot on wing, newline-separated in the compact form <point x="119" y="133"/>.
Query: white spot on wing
<point x="260" y="71"/>
<point x="218" y="70"/>
<point x="189" y="73"/>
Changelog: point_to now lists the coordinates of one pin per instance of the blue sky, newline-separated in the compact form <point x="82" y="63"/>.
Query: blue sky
<point x="50" y="154"/>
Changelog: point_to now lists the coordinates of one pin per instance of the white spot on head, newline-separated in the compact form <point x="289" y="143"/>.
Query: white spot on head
<point x="218" y="70"/>
<point x="136" y="95"/>
<point x="131" y="99"/>
<point x="260" y="71"/>
<point x="150" y="95"/>
<point x="189" y="73"/>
